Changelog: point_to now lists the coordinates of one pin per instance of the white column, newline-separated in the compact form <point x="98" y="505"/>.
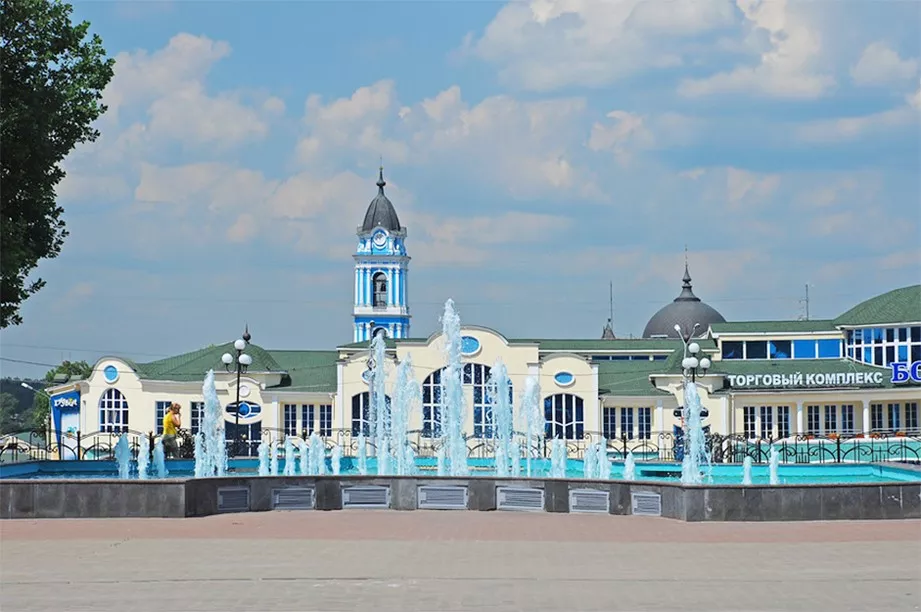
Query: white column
<point x="660" y="416"/>
<point x="396" y="286"/>
<point x="339" y="401"/>
<point x="278" y="419"/>
<point x="357" y="284"/>
<point x="866" y="416"/>
<point x="799" y="417"/>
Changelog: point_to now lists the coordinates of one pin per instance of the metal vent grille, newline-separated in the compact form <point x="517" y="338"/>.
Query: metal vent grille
<point x="520" y="498"/>
<point x="233" y="499"/>
<point x="589" y="500"/>
<point x="646" y="504"/>
<point x="293" y="498"/>
<point x="434" y="497"/>
<point x="366" y="497"/>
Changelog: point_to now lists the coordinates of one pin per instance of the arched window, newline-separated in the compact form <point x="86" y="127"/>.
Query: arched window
<point x="361" y="413"/>
<point x="564" y="416"/>
<point x="475" y="375"/>
<point x="380" y="289"/>
<point x="113" y="411"/>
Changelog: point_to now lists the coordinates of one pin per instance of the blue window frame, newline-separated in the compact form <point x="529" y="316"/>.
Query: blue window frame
<point x="804" y="349"/>
<point x="829" y="349"/>
<point x="731" y="349"/>
<point x="779" y="349"/>
<point x="326" y="419"/>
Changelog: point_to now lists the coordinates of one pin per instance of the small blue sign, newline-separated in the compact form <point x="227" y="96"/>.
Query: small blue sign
<point x="903" y="372"/>
<point x="469" y="345"/>
<point x="247" y="409"/>
<point x="65" y="414"/>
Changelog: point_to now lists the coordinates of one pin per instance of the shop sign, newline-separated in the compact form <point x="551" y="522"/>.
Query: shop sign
<point x="903" y="372"/>
<point x="800" y="380"/>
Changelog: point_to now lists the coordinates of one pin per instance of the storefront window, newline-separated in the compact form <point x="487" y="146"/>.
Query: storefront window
<point x="882" y="346"/>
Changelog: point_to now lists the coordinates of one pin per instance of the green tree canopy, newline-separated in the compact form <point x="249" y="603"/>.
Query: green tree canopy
<point x="52" y="79"/>
<point x="11" y="419"/>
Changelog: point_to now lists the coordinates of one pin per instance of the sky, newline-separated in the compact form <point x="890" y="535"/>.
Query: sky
<point x="536" y="152"/>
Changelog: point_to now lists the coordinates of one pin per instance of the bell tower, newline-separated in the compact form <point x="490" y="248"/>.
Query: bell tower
<point x="381" y="266"/>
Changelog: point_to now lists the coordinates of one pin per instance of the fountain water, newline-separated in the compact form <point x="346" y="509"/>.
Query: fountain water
<point x="317" y="455"/>
<point x="453" y="410"/>
<point x="499" y="390"/>
<point x="335" y="459"/>
<point x="630" y="467"/>
<point x="407" y="395"/>
<point x="263" y="458"/>
<point x="604" y="462"/>
<point x="516" y="458"/>
<point x="305" y="457"/>
<point x="441" y="457"/>
<point x="774" y="464"/>
<point x="159" y="458"/>
<point x="534" y="418"/>
<point x="211" y="449"/>
<point x="289" y="456"/>
<point x="144" y="458"/>
<point x="695" y="453"/>
<point x="362" y="454"/>
<point x="198" y="450"/>
<point x="409" y="460"/>
<point x="590" y="463"/>
<point x="558" y="458"/>
<point x="273" y="458"/>
<point x="123" y="456"/>
<point x="380" y="411"/>
<point x="747" y="471"/>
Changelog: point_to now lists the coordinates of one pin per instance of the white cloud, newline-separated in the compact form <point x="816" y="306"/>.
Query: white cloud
<point x="546" y="44"/>
<point x="880" y="65"/>
<point x="787" y="68"/>
<point x="744" y="187"/>
<point x="843" y="129"/>
<point x="626" y="132"/>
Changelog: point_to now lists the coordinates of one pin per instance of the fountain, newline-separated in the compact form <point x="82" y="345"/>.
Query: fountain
<point x="747" y="471"/>
<point x="362" y="454"/>
<point x="305" y="457"/>
<point x="453" y="408"/>
<point x="317" y="466"/>
<point x="590" y="463"/>
<point x="773" y="465"/>
<point x="273" y="457"/>
<point x="380" y="411"/>
<point x="210" y="442"/>
<point x="406" y="397"/>
<point x="534" y="419"/>
<point x="558" y="458"/>
<point x="123" y="457"/>
<point x="516" y="458"/>
<point x="409" y="460"/>
<point x="630" y="467"/>
<point x="159" y="458"/>
<point x="263" y="458"/>
<point x="441" y="457"/>
<point x="335" y="459"/>
<point x="144" y="458"/>
<point x="289" y="457"/>
<point x="695" y="454"/>
<point x="604" y="462"/>
<point x="499" y="390"/>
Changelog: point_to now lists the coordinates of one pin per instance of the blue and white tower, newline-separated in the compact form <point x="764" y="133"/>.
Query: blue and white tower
<point x="381" y="265"/>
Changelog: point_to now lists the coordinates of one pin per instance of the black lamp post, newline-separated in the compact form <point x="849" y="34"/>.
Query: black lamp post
<point x="239" y="363"/>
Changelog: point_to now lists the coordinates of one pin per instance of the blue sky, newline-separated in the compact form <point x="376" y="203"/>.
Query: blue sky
<point x="535" y="151"/>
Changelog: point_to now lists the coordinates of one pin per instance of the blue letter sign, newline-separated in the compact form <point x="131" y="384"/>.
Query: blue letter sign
<point x="902" y="372"/>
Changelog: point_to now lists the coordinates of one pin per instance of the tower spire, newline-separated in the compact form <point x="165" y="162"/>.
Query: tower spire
<point x="380" y="178"/>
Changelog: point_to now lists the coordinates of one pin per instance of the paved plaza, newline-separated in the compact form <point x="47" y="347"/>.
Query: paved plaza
<point x="442" y="561"/>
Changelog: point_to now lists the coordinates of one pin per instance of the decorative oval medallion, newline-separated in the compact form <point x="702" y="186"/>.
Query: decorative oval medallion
<point x="110" y="372"/>
<point x="469" y="346"/>
<point x="564" y="379"/>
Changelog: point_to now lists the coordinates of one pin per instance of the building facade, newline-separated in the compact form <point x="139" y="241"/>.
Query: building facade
<point x="858" y="374"/>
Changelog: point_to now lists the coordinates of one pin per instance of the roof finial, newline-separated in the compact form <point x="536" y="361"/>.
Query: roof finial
<point x="380" y="177"/>
<point x="246" y="336"/>
<point x="686" y="280"/>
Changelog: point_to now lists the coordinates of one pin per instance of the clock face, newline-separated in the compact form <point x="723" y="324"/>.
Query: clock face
<point x="380" y="239"/>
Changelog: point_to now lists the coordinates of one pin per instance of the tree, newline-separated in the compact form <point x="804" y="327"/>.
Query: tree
<point x="10" y="417"/>
<point x="41" y="407"/>
<point x="51" y="82"/>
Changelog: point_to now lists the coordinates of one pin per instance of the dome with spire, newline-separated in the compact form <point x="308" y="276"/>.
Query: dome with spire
<point x="381" y="212"/>
<point x="686" y="311"/>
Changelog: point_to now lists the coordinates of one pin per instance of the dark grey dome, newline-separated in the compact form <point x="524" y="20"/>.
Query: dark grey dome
<point x="380" y="211"/>
<point x="684" y="311"/>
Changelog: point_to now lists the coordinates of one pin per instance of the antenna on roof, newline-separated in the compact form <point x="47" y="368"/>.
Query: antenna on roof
<point x="611" y="303"/>
<point x="805" y="303"/>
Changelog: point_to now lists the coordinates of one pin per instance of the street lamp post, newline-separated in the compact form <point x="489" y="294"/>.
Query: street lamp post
<point x="691" y="364"/>
<point x="238" y="363"/>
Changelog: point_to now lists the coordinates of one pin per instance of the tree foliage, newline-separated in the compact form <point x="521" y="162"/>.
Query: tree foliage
<point x="11" y="419"/>
<point x="52" y="79"/>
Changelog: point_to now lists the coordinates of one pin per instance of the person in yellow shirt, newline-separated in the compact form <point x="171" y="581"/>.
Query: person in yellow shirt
<point x="171" y="424"/>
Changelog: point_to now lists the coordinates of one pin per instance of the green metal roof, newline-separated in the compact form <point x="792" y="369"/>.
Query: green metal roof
<point x="897" y="306"/>
<point x="773" y="327"/>
<point x="308" y="371"/>
<point x="623" y="378"/>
